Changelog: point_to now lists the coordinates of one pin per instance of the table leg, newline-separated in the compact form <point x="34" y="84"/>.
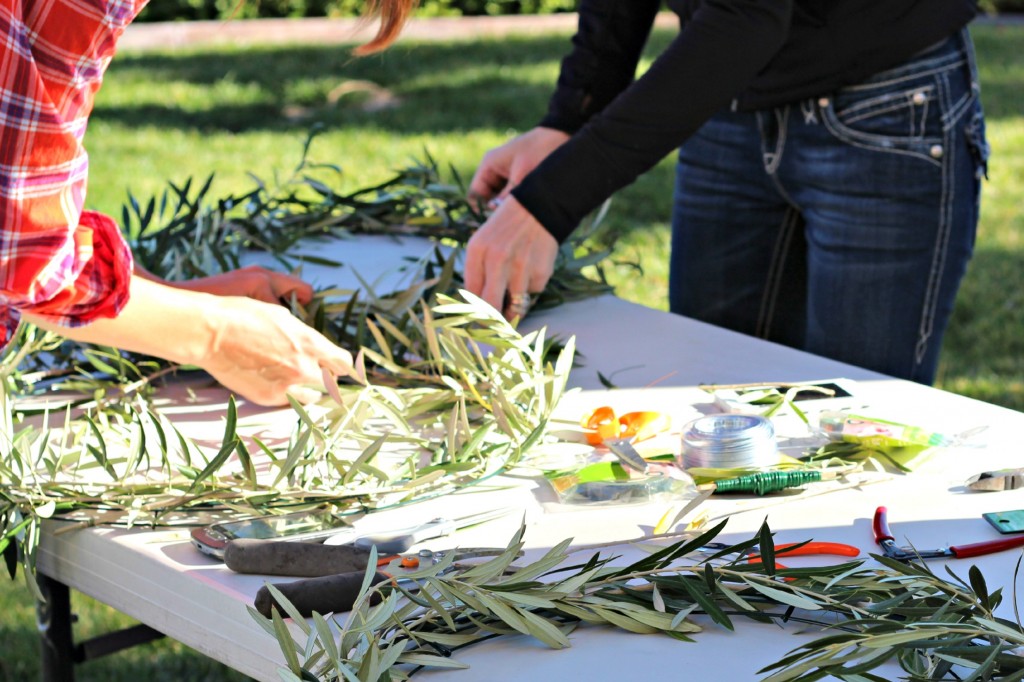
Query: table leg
<point x="53" y="617"/>
<point x="59" y="653"/>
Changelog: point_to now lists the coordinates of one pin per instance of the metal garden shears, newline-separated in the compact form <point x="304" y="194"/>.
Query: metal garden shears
<point x="401" y="539"/>
<point x="338" y="592"/>
<point x="885" y="540"/>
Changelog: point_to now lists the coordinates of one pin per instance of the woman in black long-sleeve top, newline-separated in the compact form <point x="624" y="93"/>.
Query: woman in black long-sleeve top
<point x="830" y="156"/>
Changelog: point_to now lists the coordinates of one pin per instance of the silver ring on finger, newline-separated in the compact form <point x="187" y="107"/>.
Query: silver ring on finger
<point x="521" y="301"/>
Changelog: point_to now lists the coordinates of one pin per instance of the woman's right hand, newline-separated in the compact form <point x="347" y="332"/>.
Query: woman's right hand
<point x="260" y="351"/>
<point x="256" y="349"/>
<point x="253" y="281"/>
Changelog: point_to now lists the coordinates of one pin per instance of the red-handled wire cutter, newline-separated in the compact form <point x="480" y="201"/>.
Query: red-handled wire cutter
<point x="885" y="540"/>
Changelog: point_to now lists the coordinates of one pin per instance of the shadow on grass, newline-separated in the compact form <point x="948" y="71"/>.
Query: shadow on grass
<point x="439" y="87"/>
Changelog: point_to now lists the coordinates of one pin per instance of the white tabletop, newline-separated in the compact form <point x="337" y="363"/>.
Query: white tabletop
<point x="158" y="578"/>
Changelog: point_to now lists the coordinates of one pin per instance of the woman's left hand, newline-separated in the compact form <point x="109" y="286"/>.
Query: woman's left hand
<point x="511" y="254"/>
<point x="252" y="281"/>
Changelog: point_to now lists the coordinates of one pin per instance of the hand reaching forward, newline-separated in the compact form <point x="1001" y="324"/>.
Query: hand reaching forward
<point x="256" y="349"/>
<point x="264" y="353"/>
<point x="510" y="254"/>
<point x="252" y="281"/>
<point x="504" y="167"/>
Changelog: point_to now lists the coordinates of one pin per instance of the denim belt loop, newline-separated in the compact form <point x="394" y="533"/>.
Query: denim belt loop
<point x="972" y="61"/>
<point x="809" y="109"/>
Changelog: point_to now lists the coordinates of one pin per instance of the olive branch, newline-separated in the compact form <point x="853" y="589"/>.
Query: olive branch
<point x="185" y="234"/>
<point x="932" y="627"/>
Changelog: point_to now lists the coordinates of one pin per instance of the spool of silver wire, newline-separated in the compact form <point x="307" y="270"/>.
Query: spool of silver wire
<point x="729" y="441"/>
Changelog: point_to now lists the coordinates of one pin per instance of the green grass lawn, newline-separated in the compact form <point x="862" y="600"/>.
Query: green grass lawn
<point x="171" y="116"/>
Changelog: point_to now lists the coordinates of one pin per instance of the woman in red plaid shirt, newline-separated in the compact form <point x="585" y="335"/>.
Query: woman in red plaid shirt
<point x="69" y="270"/>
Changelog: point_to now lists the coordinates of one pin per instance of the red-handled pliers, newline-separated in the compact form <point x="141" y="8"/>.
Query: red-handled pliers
<point x="885" y="540"/>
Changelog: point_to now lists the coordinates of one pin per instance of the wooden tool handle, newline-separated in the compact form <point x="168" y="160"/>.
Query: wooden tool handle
<point x="304" y="559"/>
<point x="326" y="594"/>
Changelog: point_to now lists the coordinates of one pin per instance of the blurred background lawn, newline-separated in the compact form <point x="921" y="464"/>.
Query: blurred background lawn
<point x="237" y="112"/>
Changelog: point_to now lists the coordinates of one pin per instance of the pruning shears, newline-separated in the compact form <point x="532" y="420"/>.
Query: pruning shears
<point x="885" y="540"/>
<point x="402" y="539"/>
<point x="338" y="592"/>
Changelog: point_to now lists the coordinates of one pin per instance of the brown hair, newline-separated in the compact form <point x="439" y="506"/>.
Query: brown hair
<point x="393" y="15"/>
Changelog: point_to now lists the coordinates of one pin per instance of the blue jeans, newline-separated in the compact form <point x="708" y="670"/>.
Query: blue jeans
<point x="840" y="225"/>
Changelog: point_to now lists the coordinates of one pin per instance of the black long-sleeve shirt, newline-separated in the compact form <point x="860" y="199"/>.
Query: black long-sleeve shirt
<point x="751" y="54"/>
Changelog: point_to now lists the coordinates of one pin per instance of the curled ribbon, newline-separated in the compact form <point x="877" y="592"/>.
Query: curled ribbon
<point x="602" y="424"/>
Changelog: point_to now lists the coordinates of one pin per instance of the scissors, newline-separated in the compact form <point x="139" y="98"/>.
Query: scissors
<point x="618" y="433"/>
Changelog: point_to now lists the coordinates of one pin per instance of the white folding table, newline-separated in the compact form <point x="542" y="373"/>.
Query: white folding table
<point x="658" y="360"/>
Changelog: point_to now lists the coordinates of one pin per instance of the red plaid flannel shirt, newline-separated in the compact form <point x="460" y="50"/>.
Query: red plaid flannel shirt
<point x="56" y="260"/>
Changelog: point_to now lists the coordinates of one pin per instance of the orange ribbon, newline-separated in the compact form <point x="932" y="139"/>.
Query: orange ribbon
<point x="602" y="424"/>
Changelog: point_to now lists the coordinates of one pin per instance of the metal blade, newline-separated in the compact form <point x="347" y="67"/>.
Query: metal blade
<point x="627" y="454"/>
<point x="480" y="517"/>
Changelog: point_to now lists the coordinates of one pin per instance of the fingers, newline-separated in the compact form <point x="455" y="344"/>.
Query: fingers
<point x="510" y="255"/>
<point x="473" y="271"/>
<point x="286" y="287"/>
<point x="499" y="172"/>
<point x="253" y="281"/>
<point x="303" y="394"/>
<point x="334" y="359"/>
<point x="497" y="263"/>
<point x="261" y="290"/>
<point x="264" y="354"/>
<point x="488" y="180"/>
<point x="488" y="262"/>
<point x="324" y="362"/>
<point x="517" y="298"/>
<point x="276" y="287"/>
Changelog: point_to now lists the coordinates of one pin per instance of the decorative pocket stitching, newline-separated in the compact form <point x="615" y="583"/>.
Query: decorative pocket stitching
<point x="916" y="147"/>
